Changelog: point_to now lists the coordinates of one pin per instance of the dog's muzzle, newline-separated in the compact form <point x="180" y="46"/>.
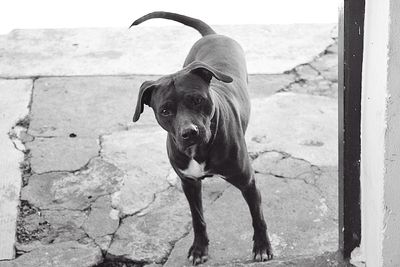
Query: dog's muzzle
<point x="190" y="133"/>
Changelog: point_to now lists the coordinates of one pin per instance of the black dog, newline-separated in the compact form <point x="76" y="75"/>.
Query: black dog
<point x="205" y="109"/>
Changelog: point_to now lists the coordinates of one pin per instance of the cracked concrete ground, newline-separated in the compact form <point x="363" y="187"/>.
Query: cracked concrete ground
<point x="98" y="190"/>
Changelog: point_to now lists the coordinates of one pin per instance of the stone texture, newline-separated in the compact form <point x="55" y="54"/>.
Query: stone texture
<point x="142" y="156"/>
<point x="33" y="231"/>
<point x="108" y="104"/>
<point x="65" y="225"/>
<point x="327" y="182"/>
<point x="61" y="154"/>
<point x="86" y="106"/>
<point x="62" y="190"/>
<point x="103" y="242"/>
<point x="49" y="226"/>
<point x="66" y="254"/>
<point x="298" y="221"/>
<point x="306" y="72"/>
<point x="290" y="122"/>
<point x="282" y="165"/>
<point x="124" y="170"/>
<point x="318" y="86"/>
<point x="333" y="48"/>
<point x="264" y="85"/>
<point x="100" y="223"/>
<point x="327" y="65"/>
<point x="149" y="238"/>
<point x="121" y="51"/>
<point x="14" y="100"/>
<point x="318" y="77"/>
<point x="327" y="259"/>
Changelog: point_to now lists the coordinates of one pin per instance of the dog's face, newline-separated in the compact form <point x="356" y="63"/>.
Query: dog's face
<point x="182" y="104"/>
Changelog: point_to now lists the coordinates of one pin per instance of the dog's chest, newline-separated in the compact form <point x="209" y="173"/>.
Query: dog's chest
<point x="195" y="170"/>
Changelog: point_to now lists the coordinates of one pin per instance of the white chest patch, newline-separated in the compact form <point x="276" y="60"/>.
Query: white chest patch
<point x="195" y="170"/>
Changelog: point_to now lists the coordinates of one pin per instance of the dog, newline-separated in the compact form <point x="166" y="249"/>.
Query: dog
<point x="205" y="109"/>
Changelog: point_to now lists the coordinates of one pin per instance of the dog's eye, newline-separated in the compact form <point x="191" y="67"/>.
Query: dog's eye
<point x="197" y="100"/>
<point x="166" y="112"/>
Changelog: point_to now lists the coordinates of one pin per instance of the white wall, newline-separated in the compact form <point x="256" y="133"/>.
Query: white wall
<point x="391" y="223"/>
<point x="120" y="13"/>
<point x="380" y="134"/>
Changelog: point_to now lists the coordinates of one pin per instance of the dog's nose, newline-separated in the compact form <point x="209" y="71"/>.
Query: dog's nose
<point x="190" y="132"/>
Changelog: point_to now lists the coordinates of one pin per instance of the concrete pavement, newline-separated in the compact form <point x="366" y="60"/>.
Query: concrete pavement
<point x="99" y="190"/>
<point x="67" y="52"/>
<point x="13" y="107"/>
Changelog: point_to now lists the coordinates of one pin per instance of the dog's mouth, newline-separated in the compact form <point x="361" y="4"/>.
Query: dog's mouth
<point x="189" y="146"/>
<point x="191" y="150"/>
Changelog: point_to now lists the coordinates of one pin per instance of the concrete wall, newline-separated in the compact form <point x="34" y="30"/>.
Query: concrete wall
<point x="391" y="223"/>
<point x="380" y="134"/>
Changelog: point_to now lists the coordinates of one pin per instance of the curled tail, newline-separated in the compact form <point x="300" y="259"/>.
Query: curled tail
<point x="197" y="24"/>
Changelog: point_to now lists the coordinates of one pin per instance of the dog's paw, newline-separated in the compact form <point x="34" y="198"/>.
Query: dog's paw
<point x="198" y="254"/>
<point x="262" y="250"/>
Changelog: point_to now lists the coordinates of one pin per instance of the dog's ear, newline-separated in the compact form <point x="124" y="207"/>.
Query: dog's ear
<point x="144" y="97"/>
<point x="206" y="72"/>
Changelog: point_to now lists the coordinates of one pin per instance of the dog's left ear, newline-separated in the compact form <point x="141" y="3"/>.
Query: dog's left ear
<point x="144" y="97"/>
<point x="206" y="72"/>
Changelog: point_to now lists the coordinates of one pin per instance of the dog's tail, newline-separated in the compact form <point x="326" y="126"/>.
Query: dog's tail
<point x="197" y="24"/>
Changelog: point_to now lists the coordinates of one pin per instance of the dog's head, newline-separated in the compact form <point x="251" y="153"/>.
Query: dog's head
<point x="182" y="103"/>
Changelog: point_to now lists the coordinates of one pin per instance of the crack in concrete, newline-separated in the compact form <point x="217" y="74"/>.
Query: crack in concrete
<point x="24" y="123"/>
<point x="124" y="216"/>
<point x="286" y="155"/>
<point x="313" y="185"/>
<point x="218" y="196"/>
<point x="14" y="137"/>
<point x="142" y="212"/>
<point x="19" y="144"/>
<point x="121" y="219"/>
<point x="103" y="252"/>
<point x="319" y="73"/>
<point x="60" y="209"/>
<point x="189" y="227"/>
<point x="298" y="78"/>
<point x="32" y="94"/>
<point x="46" y="137"/>
<point x="315" y="170"/>
<point x="100" y="142"/>
<point x="113" y="236"/>
<point x="85" y="167"/>
<point x="81" y="240"/>
<point x="138" y="212"/>
<point x="254" y="155"/>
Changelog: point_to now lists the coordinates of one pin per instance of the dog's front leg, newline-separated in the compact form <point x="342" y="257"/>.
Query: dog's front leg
<point x="198" y="252"/>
